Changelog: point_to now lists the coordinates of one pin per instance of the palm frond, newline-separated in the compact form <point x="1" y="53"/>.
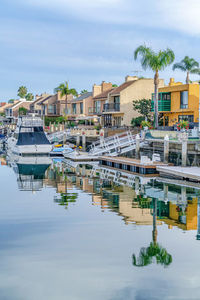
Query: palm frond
<point x="195" y="71"/>
<point x="166" y="58"/>
<point x="179" y="66"/>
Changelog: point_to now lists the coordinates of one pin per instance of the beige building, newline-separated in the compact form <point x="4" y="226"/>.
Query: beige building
<point x="78" y="108"/>
<point x="99" y="96"/>
<point x="36" y="106"/>
<point x="118" y="108"/>
<point x="13" y="111"/>
<point x="5" y="106"/>
<point x="51" y="105"/>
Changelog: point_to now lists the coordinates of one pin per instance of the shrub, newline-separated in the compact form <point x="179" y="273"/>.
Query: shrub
<point x="136" y="122"/>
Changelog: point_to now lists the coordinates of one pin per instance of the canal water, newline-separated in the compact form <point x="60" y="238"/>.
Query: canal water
<point x="68" y="236"/>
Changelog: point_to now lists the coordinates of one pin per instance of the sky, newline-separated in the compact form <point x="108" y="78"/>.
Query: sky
<point x="46" y="42"/>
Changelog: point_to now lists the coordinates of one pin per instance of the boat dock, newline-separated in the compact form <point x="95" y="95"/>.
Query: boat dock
<point x="187" y="173"/>
<point x="81" y="157"/>
<point x="131" y="165"/>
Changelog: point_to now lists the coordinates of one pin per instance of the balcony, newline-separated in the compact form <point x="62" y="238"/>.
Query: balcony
<point x="111" y="107"/>
<point x="164" y="102"/>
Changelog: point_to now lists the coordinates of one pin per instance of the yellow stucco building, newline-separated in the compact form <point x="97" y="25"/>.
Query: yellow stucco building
<point x="178" y="102"/>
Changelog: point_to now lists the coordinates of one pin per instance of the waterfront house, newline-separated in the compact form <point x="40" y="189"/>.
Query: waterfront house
<point x="36" y="106"/>
<point x="5" y="105"/>
<point x="12" y="112"/>
<point x="53" y="105"/>
<point x="118" y="108"/>
<point x="99" y="97"/>
<point x="78" y="108"/>
<point x="177" y="102"/>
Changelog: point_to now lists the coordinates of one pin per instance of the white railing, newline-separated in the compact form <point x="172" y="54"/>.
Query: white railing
<point x="30" y="122"/>
<point x="115" y="145"/>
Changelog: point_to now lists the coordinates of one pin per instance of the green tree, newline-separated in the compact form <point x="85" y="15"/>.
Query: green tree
<point x="65" y="90"/>
<point x="22" y="111"/>
<point x="154" y="252"/>
<point x="143" y="106"/>
<point x="114" y="85"/>
<point x="22" y="92"/>
<point x="188" y="65"/>
<point x="84" y="92"/>
<point x="29" y="97"/>
<point x="11" y="101"/>
<point x="156" y="61"/>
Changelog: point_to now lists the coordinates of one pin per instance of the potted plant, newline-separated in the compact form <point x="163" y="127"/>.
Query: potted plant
<point x="146" y="125"/>
<point x="183" y="125"/>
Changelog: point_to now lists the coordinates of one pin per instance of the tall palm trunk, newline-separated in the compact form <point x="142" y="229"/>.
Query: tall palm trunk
<point x="156" y="83"/>
<point x="155" y="232"/>
<point x="188" y="78"/>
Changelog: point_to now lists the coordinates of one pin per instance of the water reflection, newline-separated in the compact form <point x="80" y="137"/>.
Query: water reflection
<point x="154" y="252"/>
<point x="131" y="197"/>
<point x="30" y="171"/>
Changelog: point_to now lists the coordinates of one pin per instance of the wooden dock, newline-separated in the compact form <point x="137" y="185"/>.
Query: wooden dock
<point x="131" y="165"/>
<point x="188" y="173"/>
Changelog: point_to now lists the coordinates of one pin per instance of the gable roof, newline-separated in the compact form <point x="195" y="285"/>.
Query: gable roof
<point x="122" y="87"/>
<point x="103" y="95"/>
<point x="82" y="97"/>
<point x="44" y="99"/>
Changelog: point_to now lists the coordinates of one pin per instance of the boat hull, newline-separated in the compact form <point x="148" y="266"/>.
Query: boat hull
<point x="28" y="149"/>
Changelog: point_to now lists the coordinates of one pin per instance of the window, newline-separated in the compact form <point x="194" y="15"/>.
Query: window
<point x="184" y="99"/>
<point x="98" y="106"/>
<point x="51" y="109"/>
<point x="81" y="108"/>
<point x="74" y="108"/>
<point x="116" y="99"/>
<point x="189" y="118"/>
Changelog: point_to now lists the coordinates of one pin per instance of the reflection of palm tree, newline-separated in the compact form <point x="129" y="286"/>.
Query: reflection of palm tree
<point x="67" y="198"/>
<point x="155" y="252"/>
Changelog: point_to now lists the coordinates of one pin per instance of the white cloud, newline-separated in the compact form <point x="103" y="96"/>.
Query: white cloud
<point x="180" y="15"/>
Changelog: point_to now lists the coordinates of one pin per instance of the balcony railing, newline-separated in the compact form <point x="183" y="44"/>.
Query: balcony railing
<point x="110" y="107"/>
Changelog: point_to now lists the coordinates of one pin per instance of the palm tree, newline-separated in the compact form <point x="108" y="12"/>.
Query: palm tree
<point x="188" y="65"/>
<point x="29" y="97"/>
<point x="84" y="92"/>
<point x="65" y="90"/>
<point x="147" y="255"/>
<point x="156" y="61"/>
<point x="22" y="92"/>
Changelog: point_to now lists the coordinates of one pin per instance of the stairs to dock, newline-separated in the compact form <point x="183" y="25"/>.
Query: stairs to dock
<point x="114" y="145"/>
<point x="58" y="136"/>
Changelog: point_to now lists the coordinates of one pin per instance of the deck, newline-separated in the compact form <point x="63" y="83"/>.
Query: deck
<point x="191" y="173"/>
<point x="131" y="165"/>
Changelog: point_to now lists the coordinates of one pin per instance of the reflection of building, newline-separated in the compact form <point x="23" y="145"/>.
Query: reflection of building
<point x="184" y="219"/>
<point x="133" y="198"/>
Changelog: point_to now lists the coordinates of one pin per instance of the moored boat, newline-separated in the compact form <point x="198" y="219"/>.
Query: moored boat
<point x="29" y="137"/>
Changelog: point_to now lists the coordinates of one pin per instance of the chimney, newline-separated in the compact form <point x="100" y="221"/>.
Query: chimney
<point x="105" y="86"/>
<point x="130" y="78"/>
<point x="59" y="97"/>
<point x="171" y="82"/>
<point x="96" y="90"/>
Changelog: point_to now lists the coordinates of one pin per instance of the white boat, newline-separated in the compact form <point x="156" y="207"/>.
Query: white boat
<point x="29" y="137"/>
